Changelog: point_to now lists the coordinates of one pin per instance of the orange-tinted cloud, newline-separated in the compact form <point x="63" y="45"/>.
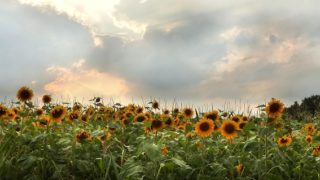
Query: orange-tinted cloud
<point x="80" y="82"/>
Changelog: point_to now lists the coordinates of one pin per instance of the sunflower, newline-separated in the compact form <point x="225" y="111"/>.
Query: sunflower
<point x="242" y="124"/>
<point x="187" y="112"/>
<point x="156" y="124"/>
<point x="77" y="107"/>
<point x="139" y="110"/>
<point x="229" y="129"/>
<point x="168" y="120"/>
<point x="125" y="121"/>
<point x="284" y="141"/>
<point x="310" y="128"/>
<point x="213" y="115"/>
<point x="308" y="138"/>
<point x="39" y="112"/>
<point x="176" y="111"/>
<point x="3" y="111"/>
<point x="140" y="118"/>
<point x="83" y="136"/>
<point x="245" y="118"/>
<point x="274" y="108"/>
<point x="44" y="121"/>
<point x="166" y="111"/>
<point x="239" y="168"/>
<point x="11" y="114"/>
<point x="24" y="94"/>
<point x="73" y="116"/>
<point x="58" y="113"/>
<point x="164" y="150"/>
<point x="316" y="151"/>
<point x="90" y="111"/>
<point x="155" y="104"/>
<point x="84" y="118"/>
<point x="46" y="99"/>
<point x="204" y="127"/>
<point x="236" y="119"/>
<point x="105" y="137"/>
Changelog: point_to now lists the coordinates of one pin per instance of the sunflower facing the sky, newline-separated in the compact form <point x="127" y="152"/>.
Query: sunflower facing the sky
<point x="274" y="108"/>
<point x="24" y="94"/>
<point x="204" y="127"/>
<point x="58" y="113"/>
<point x="229" y="129"/>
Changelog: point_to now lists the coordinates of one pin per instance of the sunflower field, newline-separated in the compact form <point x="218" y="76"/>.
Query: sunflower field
<point x="64" y="141"/>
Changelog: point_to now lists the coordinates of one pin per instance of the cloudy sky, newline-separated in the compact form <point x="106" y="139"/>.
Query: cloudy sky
<point x="196" y="52"/>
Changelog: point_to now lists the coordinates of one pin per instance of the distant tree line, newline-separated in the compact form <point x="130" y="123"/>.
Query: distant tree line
<point x="309" y="108"/>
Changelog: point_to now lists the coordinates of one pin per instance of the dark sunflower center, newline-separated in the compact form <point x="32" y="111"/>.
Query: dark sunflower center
<point x="156" y="124"/>
<point x="155" y="105"/>
<point x="188" y="112"/>
<point x="126" y="121"/>
<point x="57" y="113"/>
<point x="25" y="94"/>
<point x="169" y="121"/>
<point x="46" y="99"/>
<point x="235" y="119"/>
<point x="241" y="125"/>
<point x="230" y="128"/>
<point x="204" y="126"/>
<point x="212" y="116"/>
<point x="140" y="118"/>
<point x="283" y="140"/>
<point x="139" y="110"/>
<point x="176" y="111"/>
<point x="275" y="107"/>
<point x="2" y="111"/>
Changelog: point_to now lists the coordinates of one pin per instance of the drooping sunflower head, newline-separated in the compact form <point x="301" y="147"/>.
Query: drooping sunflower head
<point x="284" y="141"/>
<point x="213" y="115"/>
<point x="156" y="124"/>
<point x="24" y="94"/>
<point x="204" y="127"/>
<point x="274" y="108"/>
<point x="155" y="104"/>
<point x="229" y="129"/>
<point x="140" y="117"/>
<point x="187" y="112"/>
<point x="46" y="99"/>
<point x="58" y="113"/>
<point x="139" y="110"/>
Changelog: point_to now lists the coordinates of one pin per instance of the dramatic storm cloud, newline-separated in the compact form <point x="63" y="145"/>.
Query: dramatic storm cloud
<point x="195" y="51"/>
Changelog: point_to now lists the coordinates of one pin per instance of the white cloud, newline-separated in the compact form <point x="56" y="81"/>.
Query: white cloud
<point x="99" y="16"/>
